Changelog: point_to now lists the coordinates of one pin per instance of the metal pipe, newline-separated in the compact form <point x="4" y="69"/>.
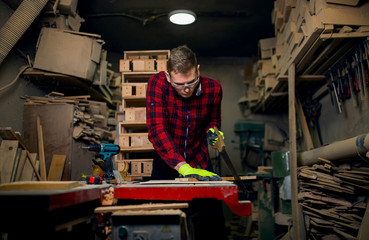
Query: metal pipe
<point x="352" y="147"/>
<point x="18" y="23"/>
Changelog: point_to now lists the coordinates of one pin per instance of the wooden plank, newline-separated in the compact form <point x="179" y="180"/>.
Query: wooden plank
<point x="15" y="165"/>
<point x="364" y="230"/>
<point x="32" y="185"/>
<point x="296" y="216"/>
<point x="28" y="170"/>
<point x="41" y="150"/>
<point x="8" y="151"/>
<point x="8" y="134"/>
<point x="22" y="162"/>
<point x="142" y="207"/>
<point x="223" y="178"/>
<point x="56" y="168"/>
<point x="37" y="165"/>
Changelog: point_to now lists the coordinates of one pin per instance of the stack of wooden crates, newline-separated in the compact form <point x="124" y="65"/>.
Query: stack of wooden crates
<point x="135" y="160"/>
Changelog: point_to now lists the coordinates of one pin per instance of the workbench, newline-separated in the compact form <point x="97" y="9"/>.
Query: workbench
<point x="185" y="191"/>
<point x="49" y="213"/>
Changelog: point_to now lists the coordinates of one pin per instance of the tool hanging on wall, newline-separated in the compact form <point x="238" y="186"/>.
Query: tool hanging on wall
<point x="350" y="77"/>
<point x="334" y="84"/>
<point x="312" y="109"/>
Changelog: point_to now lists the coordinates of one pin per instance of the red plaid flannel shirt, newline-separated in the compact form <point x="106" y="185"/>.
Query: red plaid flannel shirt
<point x="177" y="126"/>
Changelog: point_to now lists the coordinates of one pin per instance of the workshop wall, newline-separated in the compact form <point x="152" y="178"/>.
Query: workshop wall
<point x="11" y="105"/>
<point x="335" y="126"/>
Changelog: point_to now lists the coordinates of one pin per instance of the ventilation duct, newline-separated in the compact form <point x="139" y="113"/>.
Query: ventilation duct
<point x="18" y="24"/>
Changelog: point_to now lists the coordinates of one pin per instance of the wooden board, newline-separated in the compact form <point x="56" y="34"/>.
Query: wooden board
<point x="21" y="164"/>
<point x="56" y="168"/>
<point x="8" y="134"/>
<point x="8" y="152"/>
<point x="142" y="207"/>
<point x="27" y="173"/>
<point x="16" y="164"/>
<point x="32" y="185"/>
<point x="58" y="139"/>
<point x="41" y="150"/>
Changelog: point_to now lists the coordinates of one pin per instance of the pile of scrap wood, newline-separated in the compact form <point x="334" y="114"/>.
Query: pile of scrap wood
<point x="18" y="164"/>
<point x="333" y="198"/>
<point x="91" y="118"/>
<point x="16" y="161"/>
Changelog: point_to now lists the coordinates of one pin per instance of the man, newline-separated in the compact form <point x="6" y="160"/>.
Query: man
<point x="182" y="110"/>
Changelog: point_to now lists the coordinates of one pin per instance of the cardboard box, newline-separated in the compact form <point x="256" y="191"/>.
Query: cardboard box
<point x="329" y="13"/>
<point x="265" y="45"/>
<point x="67" y="7"/>
<point x="66" y="22"/>
<point x="72" y="53"/>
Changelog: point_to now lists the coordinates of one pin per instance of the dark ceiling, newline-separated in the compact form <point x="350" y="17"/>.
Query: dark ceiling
<point x="223" y="28"/>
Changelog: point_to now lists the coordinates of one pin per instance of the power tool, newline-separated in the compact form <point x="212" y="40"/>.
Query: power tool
<point x="106" y="151"/>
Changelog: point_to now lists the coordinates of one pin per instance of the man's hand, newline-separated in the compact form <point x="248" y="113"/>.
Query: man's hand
<point x="212" y="137"/>
<point x="200" y="174"/>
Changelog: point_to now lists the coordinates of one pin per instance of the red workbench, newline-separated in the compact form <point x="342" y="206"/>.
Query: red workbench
<point x="184" y="191"/>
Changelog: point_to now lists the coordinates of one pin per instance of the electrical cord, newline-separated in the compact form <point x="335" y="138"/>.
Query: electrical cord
<point x="22" y="69"/>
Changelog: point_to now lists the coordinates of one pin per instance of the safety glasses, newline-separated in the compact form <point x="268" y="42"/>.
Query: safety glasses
<point x="185" y="85"/>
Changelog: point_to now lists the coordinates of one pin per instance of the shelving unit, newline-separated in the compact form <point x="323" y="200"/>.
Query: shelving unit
<point x="318" y="47"/>
<point x="313" y="40"/>
<point x="137" y="67"/>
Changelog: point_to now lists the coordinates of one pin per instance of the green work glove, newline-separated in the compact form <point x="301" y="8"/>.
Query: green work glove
<point x="213" y="137"/>
<point x="200" y="174"/>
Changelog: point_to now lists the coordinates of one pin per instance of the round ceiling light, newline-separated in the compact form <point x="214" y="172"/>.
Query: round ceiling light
<point x="182" y="17"/>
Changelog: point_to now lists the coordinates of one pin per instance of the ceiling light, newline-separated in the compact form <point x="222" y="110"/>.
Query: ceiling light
<point x="182" y="17"/>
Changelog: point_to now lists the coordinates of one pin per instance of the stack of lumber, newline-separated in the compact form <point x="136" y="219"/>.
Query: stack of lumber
<point x="91" y="122"/>
<point x="333" y="199"/>
<point x="18" y="164"/>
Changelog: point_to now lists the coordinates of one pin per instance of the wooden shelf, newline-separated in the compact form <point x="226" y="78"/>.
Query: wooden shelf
<point x="65" y="83"/>
<point x="152" y="53"/>
<point x="136" y="149"/>
<point x="129" y="77"/>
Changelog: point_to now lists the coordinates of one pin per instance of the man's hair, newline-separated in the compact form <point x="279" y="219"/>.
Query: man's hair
<point x="181" y="60"/>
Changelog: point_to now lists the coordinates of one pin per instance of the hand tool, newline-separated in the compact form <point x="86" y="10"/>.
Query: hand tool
<point x="106" y="151"/>
<point x="359" y="75"/>
<point x="220" y="146"/>
<point x="312" y="110"/>
<point x="335" y="93"/>
<point x="93" y="179"/>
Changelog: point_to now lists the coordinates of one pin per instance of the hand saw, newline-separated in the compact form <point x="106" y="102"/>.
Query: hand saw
<point x="220" y="146"/>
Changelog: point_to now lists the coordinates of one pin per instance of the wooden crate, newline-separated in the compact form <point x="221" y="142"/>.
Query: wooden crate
<point x="125" y="65"/>
<point x="141" y="167"/>
<point x="136" y="167"/>
<point x="161" y="65"/>
<point x="136" y="90"/>
<point x="152" y="54"/>
<point x="134" y="140"/>
<point x="135" y="114"/>
<point x="143" y="65"/>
